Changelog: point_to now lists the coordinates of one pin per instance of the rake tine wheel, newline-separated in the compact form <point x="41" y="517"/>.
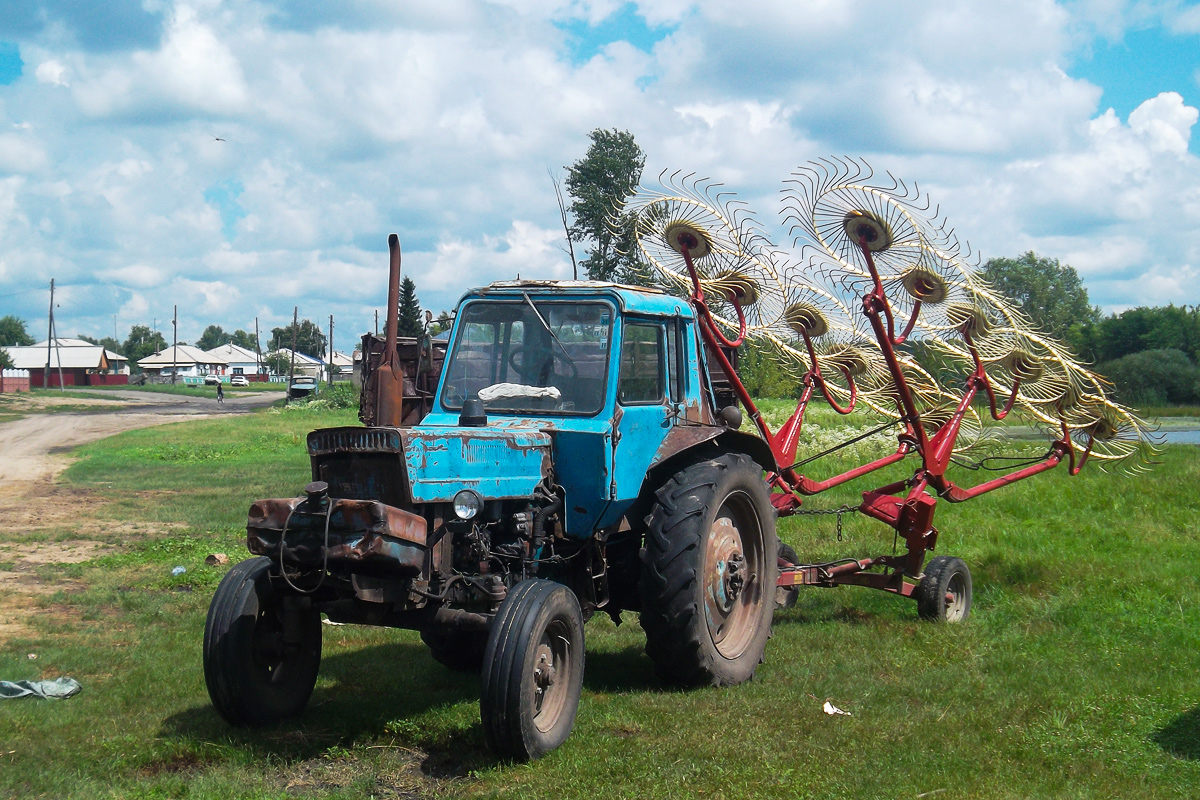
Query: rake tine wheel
<point x="879" y="279"/>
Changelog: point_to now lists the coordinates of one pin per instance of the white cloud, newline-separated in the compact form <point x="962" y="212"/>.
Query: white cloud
<point x="19" y="153"/>
<point x="52" y="72"/>
<point x="525" y="250"/>
<point x="193" y="71"/>
<point x="1165" y="122"/>
<point x="137" y="276"/>
<point x="440" y="121"/>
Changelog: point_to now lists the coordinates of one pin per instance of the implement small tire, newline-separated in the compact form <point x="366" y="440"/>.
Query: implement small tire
<point x="944" y="594"/>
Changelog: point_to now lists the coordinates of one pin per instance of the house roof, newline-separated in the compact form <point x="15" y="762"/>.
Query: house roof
<point x="87" y="356"/>
<point x="234" y="354"/>
<point x="184" y="355"/>
<point x="342" y="360"/>
<point x="300" y="357"/>
<point x="64" y="342"/>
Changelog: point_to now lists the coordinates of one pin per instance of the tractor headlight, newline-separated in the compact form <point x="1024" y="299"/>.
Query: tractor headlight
<point x="467" y="504"/>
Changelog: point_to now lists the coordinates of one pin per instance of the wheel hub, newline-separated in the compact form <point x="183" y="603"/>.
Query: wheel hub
<point x="544" y="672"/>
<point x="730" y="599"/>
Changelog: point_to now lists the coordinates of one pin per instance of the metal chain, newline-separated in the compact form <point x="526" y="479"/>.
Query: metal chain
<point x="818" y="512"/>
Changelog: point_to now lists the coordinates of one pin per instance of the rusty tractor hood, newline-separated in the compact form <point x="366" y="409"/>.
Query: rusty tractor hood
<point x="498" y="463"/>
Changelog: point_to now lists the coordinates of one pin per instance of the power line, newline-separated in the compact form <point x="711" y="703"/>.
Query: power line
<point x="27" y="291"/>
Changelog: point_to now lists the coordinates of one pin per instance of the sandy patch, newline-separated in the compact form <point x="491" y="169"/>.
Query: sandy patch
<point x="33" y="452"/>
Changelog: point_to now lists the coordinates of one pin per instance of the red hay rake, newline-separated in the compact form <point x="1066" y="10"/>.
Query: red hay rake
<point x="879" y="244"/>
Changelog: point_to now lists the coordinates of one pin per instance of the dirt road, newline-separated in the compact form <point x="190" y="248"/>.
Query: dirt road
<point x="35" y="449"/>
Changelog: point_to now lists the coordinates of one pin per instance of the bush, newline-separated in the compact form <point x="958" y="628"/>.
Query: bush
<point x="1154" y="377"/>
<point x="342" y="394"/>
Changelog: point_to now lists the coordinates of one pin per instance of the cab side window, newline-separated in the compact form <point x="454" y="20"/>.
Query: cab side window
<point x="641" y="364"/>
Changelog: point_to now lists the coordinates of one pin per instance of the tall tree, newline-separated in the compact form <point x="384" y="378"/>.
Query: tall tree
<point x="142" y="342"/>
<point x="444" y="322"/>
<point x="1050" y="293"/>
<point x="309" y="339"/>
<point x="5" y="360"/>
<point x="277" y="363"/>
<point x="411" y="321"/>
<point x="243" y="339"/>
<point x="599" y="184"/>
<point x="12" y="332"/>
<point x="213" y="336"/>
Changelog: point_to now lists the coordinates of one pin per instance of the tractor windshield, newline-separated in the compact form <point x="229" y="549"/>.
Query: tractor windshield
<point x="528" y="355"/>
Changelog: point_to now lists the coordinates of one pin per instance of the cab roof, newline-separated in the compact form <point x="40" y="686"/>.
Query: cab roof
<point x="630" y="299"/>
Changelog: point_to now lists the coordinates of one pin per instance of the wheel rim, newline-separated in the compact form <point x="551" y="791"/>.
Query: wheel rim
<point x="733" y="560"/>
<point x="551" y="676"/>
<point x="269" y="653"/>
<point x="956" y="597"/>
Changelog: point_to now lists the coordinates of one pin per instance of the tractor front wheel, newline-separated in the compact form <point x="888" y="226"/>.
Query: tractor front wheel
<point x="261" y="652"/>
<point x="532" y="671"/>
<point x="708" y="574"/>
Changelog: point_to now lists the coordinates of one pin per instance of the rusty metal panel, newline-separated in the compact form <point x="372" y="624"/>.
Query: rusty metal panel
<point x="365" y="533"/>
<point x="498" y="464"/>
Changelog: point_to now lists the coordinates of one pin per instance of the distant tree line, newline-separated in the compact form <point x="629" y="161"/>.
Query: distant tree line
<point x="1149" y="353"/>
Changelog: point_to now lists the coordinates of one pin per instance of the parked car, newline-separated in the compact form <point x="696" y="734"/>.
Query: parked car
<point x="302" y="386"/>
<point x="239" y="380"/>
<point x="212" y="380"/>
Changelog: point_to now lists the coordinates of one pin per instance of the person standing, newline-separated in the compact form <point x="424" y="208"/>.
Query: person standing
<point x="220" y="393"/>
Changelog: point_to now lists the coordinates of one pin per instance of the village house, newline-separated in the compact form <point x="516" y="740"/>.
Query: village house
<point x="78" y="362"/>
<point x="240" y="361"/>
<point x="181" y="361"/>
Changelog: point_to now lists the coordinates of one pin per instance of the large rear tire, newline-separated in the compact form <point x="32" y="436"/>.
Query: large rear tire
<point x="532" y="671"/>
<point x="708" y="575"/>
<point x="261" y="652"/>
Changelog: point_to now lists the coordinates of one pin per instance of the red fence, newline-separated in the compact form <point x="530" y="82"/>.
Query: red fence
<point x="14" y="380"/>
<point x="75" y="377"/>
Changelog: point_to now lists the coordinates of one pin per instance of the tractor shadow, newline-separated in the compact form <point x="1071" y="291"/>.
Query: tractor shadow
<point x="1181" y="736"/>
<point x="371" y="693"/>
<point x="396" y="693"/>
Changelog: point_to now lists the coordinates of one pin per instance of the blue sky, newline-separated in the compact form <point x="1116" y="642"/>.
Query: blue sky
<point x="239" y="158"/>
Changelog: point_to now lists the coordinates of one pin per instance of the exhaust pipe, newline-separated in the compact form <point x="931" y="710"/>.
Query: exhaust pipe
<point x="389" y="376"/>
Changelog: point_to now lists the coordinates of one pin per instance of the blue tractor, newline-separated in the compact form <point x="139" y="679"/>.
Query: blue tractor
<point x="572" y="454"/>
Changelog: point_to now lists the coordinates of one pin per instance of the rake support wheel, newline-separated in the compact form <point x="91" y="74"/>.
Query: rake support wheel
<point x="944" y="594"/>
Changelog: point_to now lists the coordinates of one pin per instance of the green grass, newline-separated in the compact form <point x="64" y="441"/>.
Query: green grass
<point x="1074" y="678"/>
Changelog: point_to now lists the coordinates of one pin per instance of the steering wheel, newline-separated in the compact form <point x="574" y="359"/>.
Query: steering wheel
<point x="555" y="355"/>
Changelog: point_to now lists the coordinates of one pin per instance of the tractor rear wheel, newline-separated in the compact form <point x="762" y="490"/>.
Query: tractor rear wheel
<point x="261" y="652"/>
<point x="708" y="574"/>
<point x="532" y="671"/>
<point x="944" y="594"/>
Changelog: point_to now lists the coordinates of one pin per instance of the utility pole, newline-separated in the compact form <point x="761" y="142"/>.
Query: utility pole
<point x="257" y="349"/>
<point x="292" y="369"/>
<point x="377" y="322"/>
<point x="49" y="337"/>
<point x="52" y="341"/>
<point x="331" y="348"/>
<point x="174" y="344"/>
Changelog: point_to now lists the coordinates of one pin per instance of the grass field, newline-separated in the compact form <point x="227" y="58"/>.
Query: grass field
<point x="1074" y="678"/>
